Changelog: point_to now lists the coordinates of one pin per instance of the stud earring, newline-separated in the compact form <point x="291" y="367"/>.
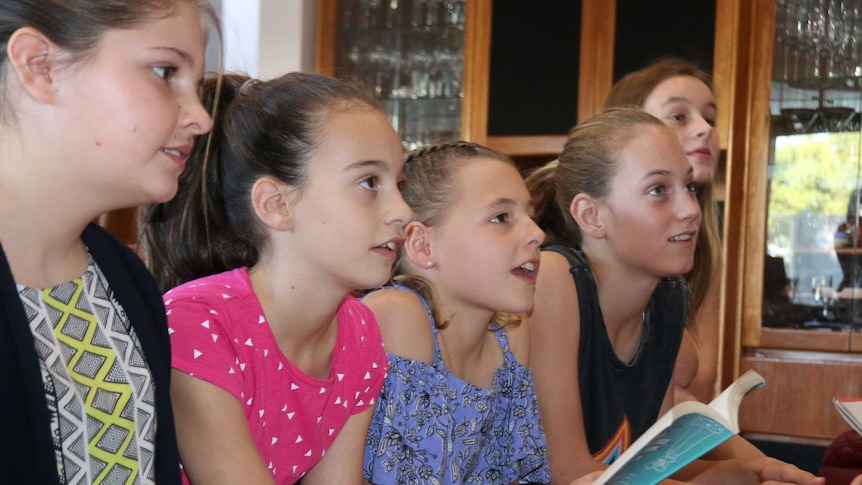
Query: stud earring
<point x="429" y="263"/>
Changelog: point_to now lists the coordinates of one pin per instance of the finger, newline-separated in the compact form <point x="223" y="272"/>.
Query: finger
<point x="587" y="479"/>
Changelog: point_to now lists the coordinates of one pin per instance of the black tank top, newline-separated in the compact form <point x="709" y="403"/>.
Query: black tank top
<point x="621" y="400"/>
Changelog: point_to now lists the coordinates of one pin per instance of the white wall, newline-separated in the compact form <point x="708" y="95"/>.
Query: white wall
<point x="266" y="38"/>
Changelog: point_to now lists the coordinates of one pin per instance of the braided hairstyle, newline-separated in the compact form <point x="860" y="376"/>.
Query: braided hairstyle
<point x="428" y="188"/>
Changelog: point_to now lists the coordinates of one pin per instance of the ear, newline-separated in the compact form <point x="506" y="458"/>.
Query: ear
<point x="31" y="55"/>
<point x="585" y="211"/>
<point x="417" y="247"/>
<point x="272" y="203"/>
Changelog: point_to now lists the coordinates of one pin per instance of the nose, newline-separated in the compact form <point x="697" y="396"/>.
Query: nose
<point x="702" y="128"/>
<point x="194" y="116"/>
<point x="399" y="212"/>
<point x="688" y="207"/>
<point x="536" y="236"/>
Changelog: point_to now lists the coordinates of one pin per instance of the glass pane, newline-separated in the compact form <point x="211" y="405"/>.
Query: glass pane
<point x="533" y="89"/>
<point x="411" y="54"/>
<point x="812" y="274"/>
<point x="646" y="31"/>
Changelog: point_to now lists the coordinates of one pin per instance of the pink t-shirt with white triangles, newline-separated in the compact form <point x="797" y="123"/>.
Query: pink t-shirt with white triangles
<point x="220" y="334"/>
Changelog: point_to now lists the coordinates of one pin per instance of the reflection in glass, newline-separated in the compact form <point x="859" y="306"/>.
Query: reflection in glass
<point x="813" y="263"/>
<point x="411" y="55"/>
<point x="812" y="232"/>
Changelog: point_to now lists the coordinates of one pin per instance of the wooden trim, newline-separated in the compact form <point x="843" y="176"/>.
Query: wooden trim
<point x="856" y="342"/>
<point x="326" y="35"/>
<point x="734" y="23"/>
<point x="757" y="157"/>
<point x="598" y="27"/>
<point x="725" y="57"/>
<point x="798" y="339"/>
<point x="477" y="65"/>
<point x="527" y="145"/>
<point x="797" y="399"/>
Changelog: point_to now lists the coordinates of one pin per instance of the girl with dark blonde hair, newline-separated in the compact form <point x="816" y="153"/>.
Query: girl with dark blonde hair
<point x="681" y="95"/>
<point x="610" y="303"/>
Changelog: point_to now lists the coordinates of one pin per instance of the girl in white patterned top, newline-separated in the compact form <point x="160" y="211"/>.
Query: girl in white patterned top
<point x="99" y="111"/>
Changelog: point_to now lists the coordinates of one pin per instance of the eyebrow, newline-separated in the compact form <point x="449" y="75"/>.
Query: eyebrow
<point x="660" y="172"/>
<point x="683" y="99"/>
<point x="183" y="55"/>
<point x="362" y="164"/>
<point x="656" y="173"/>
<point x="507" y="202"/>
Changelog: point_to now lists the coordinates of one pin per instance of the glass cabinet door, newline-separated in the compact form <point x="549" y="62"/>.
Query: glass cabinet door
<point x="411" y="53"/>
<point x="813" y="267"/>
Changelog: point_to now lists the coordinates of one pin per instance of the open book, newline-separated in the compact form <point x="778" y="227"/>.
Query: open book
<point x="851" y="409"/>
<point x="681" y="436"/>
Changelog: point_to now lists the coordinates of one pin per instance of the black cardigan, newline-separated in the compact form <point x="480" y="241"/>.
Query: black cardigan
<point x="26" y="444"/>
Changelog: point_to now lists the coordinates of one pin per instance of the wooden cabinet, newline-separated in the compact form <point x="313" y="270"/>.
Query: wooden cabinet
<point x="577" y="46"/>
<point x="804" y="367"/>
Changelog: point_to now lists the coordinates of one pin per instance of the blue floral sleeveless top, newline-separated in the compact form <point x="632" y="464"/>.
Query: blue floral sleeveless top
<point x="431" y="427"/>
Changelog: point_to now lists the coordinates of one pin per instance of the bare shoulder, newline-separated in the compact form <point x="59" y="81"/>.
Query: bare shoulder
<point x="554" y="308"/>
<point x="556" y="295"/>
<point x="403" y="323"/>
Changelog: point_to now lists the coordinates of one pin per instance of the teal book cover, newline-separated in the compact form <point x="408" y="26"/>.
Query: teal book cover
<point x="680" y="436"/>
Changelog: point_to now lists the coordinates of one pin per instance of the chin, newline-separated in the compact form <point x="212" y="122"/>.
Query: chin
<point x="371" y="283"/>
<point x="522" y="304"/>
<point x="703" y="173"/>
<point x="163" y="194"/>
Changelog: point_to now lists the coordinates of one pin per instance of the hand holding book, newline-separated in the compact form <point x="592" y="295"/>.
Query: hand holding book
<point x="680" y="436"/>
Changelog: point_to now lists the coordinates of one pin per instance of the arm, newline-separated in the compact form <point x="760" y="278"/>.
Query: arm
<point x="342" y="463"/>
<point x="215" y="444"/>
<point x="554" y="337"/>
<point x="697" y="362"/>
<point x="750" y="471"/>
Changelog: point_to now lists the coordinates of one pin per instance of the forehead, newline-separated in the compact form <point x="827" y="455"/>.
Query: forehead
<point x="483" y="180"/>
<point x="183" y="26"/>
<point x="652" y="148"/>
<point x="685" y="88"/>
<point x="359" y="133"/>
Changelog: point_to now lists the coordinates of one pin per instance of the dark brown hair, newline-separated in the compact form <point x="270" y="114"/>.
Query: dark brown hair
<point x="635" y="87"/>
<point x="78" y="25"/>
<point x="261" y="128"/>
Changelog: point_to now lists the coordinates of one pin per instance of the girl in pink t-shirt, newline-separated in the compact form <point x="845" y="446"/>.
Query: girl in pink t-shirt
<point x="289" y="207"/>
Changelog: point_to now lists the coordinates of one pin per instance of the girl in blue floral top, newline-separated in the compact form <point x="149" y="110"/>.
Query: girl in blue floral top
<point x="458" y="405"/>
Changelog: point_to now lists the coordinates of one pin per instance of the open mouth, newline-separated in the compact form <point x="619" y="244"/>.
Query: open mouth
<point x="171" y="151"/>
<point x="682" y="237"/>
<point x="389" y="249"/>
<point x="527" y="270"/>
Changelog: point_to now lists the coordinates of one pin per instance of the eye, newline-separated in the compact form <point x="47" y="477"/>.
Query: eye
<point x="692" y="187"/>
<point x="164" y="72"/>
<point x="657" y="190"/>
<point x="678" y="117"/>
<point x="369" y="183"/>
<point x="500" y="218"/>
<point x="710" y="121"/>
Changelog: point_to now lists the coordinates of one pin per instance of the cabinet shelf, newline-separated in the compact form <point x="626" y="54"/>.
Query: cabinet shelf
<point x="400" y="29"/>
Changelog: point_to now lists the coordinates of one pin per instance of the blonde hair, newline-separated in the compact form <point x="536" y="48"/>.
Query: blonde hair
<point x="429" y="189"/>
<point x="587" y="165"/>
